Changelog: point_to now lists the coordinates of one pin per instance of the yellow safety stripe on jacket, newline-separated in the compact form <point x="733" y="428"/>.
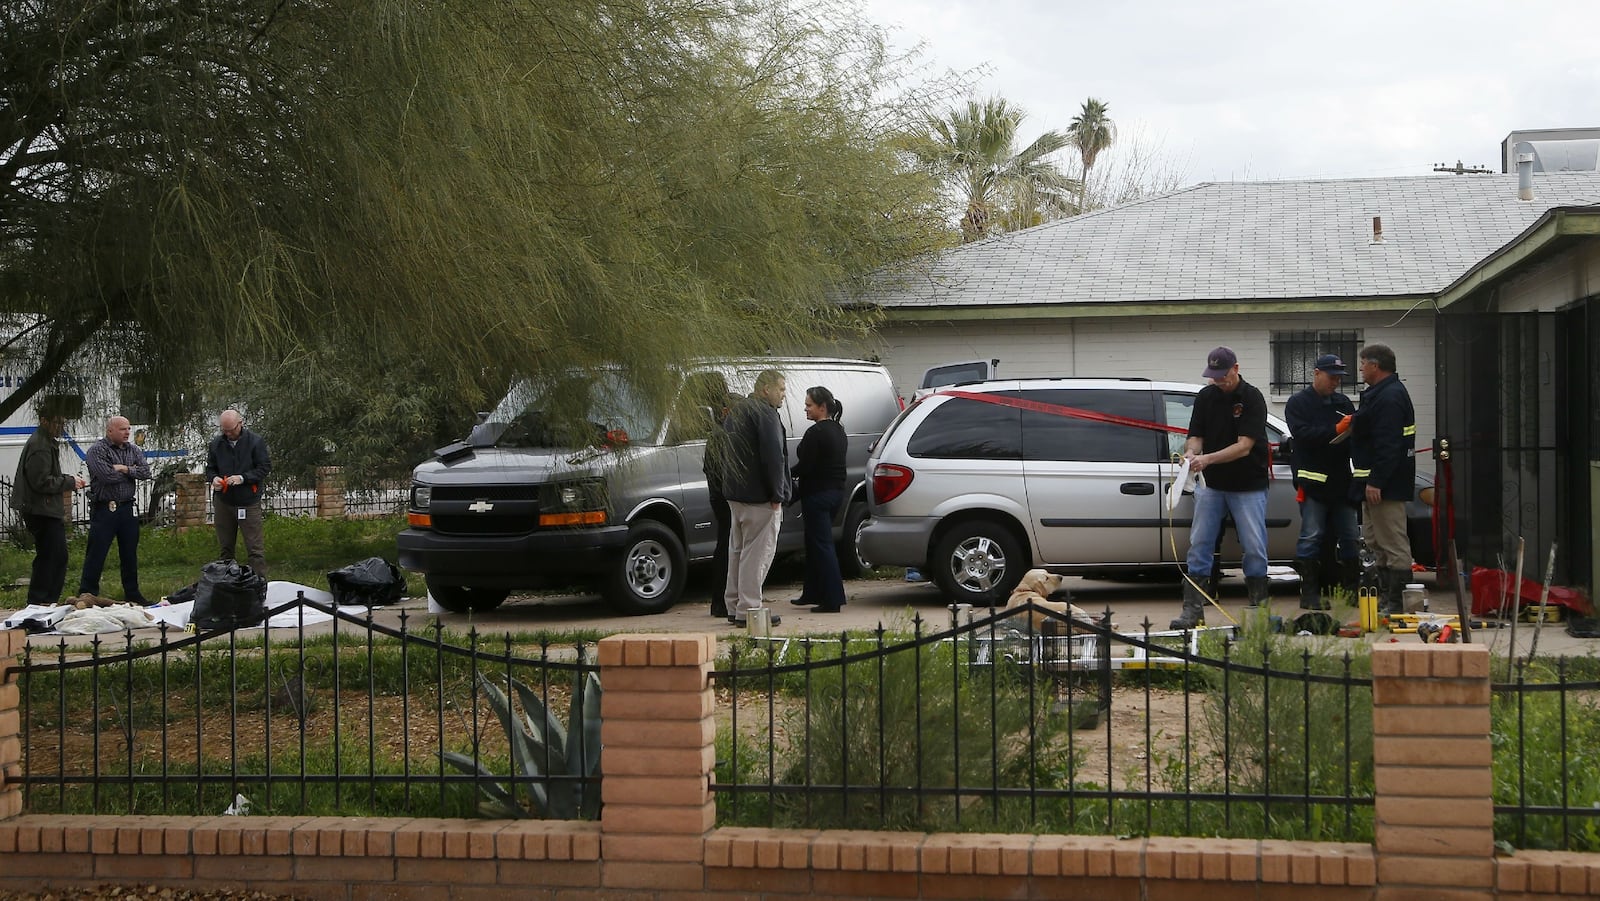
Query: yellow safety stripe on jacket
<point x="1313" y="476"/>
<point x="1361" y="473"/>
<point x="1409" y="431"/>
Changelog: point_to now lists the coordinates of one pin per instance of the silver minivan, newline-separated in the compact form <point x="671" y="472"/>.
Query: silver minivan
<point x="978" y="483"/>
<point x="520" y="504"/>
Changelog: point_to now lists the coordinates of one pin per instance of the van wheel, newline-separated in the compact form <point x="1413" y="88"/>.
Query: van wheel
<point x="467" y="598"/>
<point x="851" y="564"/>
<point x="978" y="562"/>
<point x="650" y="574"/>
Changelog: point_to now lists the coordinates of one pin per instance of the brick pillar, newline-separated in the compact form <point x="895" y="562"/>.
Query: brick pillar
<point x="189" y="507"/>
<point x="330" y="492"/>
<point x="658" y="733"/>
<point x="1434" y="808"/>
<point x="12" y="641"/>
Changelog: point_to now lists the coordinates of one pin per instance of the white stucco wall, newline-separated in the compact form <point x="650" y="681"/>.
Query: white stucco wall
<point x="1170" y="348"/>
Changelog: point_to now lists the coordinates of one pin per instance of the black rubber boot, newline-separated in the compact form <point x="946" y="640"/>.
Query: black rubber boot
<point x="1258" y="589"/>
<point x="1310" y="569"/>
<point x="1391" y="596"/>
<point x="1194" y="605"/>
<point x="1350" y="577"/>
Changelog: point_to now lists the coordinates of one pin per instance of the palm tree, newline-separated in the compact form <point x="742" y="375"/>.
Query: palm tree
<point x="1091" y="131"/>
<point x="972" y="151"/>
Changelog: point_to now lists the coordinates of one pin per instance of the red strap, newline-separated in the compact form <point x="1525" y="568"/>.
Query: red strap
<point x="1072" y="412"/>
<point x="1080" y="413"/>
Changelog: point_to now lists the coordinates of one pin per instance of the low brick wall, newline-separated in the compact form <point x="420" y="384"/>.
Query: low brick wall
<point x="656" y="838"/>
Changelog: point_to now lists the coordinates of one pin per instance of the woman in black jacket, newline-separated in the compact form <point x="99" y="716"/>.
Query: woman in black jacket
<point x="820" y="471"/>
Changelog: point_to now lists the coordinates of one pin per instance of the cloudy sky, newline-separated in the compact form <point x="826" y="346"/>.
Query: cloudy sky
<point x="1286" y="90"/>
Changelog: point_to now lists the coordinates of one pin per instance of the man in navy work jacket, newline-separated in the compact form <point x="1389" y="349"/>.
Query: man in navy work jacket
<point x="1322" y="479"/>
<point x="237" y="463"/>
<point x="1383" y="437"/>
<point x="115" y="467"/>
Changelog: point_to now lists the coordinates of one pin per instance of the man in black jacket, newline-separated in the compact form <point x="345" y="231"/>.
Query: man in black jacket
<point x="1322" y="478"/>
<point x="237" y="463"/>
<point x="756" y="483"/>
<point x="1383" y="437"/>
<point x="36" y="493"/>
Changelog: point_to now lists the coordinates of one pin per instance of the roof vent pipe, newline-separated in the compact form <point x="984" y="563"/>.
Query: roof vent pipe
<point x="1524" y="152"/>
<point x="1377" y="229"/>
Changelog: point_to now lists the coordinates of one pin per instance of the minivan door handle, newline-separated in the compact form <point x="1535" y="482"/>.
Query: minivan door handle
<point x="1138" y="488"/>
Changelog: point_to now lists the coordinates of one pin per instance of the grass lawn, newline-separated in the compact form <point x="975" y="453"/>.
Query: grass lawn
<point x="299" y="549"/>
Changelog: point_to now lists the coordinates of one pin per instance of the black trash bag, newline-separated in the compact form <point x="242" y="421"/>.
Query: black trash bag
<point x="229" y="595"/>
<point x="374" y="582"/>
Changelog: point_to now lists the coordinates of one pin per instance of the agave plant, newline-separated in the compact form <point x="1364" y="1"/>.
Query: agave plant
<point x="569" y="789"/>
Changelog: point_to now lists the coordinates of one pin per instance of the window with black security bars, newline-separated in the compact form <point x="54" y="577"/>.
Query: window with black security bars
<point x="1294" y="355"/>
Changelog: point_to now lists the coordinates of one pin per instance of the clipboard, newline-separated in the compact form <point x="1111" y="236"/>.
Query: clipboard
<point x="1340" y="437"/>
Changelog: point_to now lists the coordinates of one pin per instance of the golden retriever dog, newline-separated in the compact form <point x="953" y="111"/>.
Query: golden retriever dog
<point x="1036" y="587"/>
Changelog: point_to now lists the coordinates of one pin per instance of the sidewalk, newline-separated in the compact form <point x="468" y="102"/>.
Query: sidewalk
<point x="894" y="604"/>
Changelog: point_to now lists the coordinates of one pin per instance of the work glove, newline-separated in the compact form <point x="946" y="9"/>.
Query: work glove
<point x="1344" y="425"/>
<point x="1300" y="495"/>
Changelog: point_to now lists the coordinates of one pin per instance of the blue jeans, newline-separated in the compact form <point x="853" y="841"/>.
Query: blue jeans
<point x="1316" y="517"/>
<point x="824" y="585"/>
<point x="1249" y="512"/>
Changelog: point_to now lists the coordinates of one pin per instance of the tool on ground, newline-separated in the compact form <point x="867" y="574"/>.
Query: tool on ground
<point x="1544" y="600"/>
<point x="1516" y="609"/>
<point x="1436" y="633"/>
<point x="1461" y="595"/>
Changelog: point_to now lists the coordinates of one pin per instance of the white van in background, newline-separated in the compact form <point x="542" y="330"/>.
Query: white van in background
<point x="95" y="398"/>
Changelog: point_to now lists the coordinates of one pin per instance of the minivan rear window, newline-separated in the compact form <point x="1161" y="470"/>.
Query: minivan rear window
<point x="968" y="429"/>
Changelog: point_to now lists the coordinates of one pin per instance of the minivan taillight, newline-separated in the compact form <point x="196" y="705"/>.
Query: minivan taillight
<point x="890" y="481"/>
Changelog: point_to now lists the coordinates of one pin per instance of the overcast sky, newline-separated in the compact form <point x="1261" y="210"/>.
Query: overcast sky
<point x="1289" y="90"/>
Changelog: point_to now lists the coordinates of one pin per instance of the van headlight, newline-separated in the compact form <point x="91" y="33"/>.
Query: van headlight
<point x="577" y="503"/>
<point x="421" y="496"/>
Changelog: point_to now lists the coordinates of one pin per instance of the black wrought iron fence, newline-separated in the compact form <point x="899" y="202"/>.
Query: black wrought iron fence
<point x="153" y="500"/>
<point x="359" y="719"/>
<point x="1545" y="727"/>
<point x="383" y="499"/>
<point x="1027" y="720"/>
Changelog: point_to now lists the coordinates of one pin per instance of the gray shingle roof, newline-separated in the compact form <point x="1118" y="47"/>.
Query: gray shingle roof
<point x="1249" y="241"/>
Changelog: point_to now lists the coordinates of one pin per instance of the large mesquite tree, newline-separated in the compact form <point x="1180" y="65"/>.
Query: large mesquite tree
<point x="474" y="187"/>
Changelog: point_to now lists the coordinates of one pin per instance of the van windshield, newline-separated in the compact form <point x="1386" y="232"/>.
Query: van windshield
<point x="569" y="411"/>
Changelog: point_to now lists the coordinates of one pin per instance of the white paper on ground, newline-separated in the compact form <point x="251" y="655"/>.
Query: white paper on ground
<point x="1274" y="573"/>
<point x="174" y="615"/>
<point x="1183" y="481"/>
<point x="284" y="592"/>
<point x="433" y="605"/>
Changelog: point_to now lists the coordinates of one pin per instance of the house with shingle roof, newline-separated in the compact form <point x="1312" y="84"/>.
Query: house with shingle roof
<point x="1281" y="271"/>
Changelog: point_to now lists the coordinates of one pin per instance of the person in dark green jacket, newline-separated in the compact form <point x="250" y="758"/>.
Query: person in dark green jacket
<point x="36" y="493"/>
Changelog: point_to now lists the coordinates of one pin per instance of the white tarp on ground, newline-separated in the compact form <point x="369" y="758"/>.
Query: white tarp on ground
<point x="123" y="617"/>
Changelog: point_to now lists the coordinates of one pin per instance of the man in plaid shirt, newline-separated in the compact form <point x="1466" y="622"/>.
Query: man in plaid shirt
<point x="115" y="464"/>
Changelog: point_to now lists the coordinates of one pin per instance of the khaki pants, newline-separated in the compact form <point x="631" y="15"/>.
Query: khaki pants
<point x="1383" y="525"/>
<point x="229" y="525"/>
<point x="752" y="542"/>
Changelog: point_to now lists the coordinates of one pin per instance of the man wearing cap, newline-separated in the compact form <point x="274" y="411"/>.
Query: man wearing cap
<point x="1383" y="437"/>
<point x="1322" y="479"/>
<point x="1227" y="445"/>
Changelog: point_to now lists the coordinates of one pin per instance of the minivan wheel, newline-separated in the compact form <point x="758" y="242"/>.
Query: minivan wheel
<point x="851" y="564"/>
<point x="467" y="598"/>
<point x="978" y="562"/>
<point x="650" y="574"/>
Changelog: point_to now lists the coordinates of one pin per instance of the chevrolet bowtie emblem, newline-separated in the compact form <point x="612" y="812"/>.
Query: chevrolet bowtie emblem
<point x="481" y="507"/>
